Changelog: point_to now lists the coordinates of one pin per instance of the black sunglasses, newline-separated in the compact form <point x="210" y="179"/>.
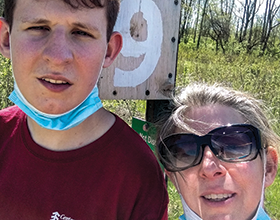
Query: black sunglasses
<point x="233" y="143"/>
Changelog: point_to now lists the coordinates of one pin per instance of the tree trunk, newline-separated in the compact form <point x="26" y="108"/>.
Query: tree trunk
<point x="201" y="24"/>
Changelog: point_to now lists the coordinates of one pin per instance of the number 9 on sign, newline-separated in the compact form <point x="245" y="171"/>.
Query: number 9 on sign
<point x="140" y="24"/>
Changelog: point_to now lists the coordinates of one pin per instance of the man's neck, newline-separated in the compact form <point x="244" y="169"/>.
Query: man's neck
<point x="88" y="131"/>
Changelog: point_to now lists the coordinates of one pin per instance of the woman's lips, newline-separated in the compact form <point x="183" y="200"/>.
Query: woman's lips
<point x="218" y="197"/>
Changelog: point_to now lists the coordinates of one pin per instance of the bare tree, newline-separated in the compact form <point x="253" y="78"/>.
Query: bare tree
<point x="187" y="13"/>
<point x="202" y="22"/>
<point x="196" y="20"/>
<point x="247" y="20"/>
<point x="220" y="16"/>
<point x="270" y="22"/>
<point x="249" y="44"/>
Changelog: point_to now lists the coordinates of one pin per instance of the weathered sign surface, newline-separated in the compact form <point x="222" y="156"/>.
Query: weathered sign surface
<point x="146" y="66"/>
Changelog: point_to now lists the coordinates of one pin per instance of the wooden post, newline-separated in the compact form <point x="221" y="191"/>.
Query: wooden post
<point x="154" y="109"/>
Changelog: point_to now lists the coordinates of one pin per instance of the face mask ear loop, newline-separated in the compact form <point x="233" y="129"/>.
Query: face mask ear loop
<point x="261" y="203"/>
<point x="264" y="174"/>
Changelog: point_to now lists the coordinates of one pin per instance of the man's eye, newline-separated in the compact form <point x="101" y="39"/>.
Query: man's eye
<point x="82" y="33"/>
<point x="38" y="28"/>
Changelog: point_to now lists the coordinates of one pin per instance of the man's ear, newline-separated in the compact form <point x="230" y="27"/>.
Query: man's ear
<point x="113" y="49"/>
<point x="4" y="38"/>
<point x="271" y="165"/>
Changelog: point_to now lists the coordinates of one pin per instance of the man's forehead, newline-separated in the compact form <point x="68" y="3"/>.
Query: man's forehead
<point x="46" y="6"/>
<point x="75" y="4"/>
<point x="54" y="11"/>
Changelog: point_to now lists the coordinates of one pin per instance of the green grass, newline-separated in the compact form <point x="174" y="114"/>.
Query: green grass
<point x="273" y="199"/>
<point x="175" y="206"/>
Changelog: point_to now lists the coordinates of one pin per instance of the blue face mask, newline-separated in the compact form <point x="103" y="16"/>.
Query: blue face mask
<point x="63" y="121"/>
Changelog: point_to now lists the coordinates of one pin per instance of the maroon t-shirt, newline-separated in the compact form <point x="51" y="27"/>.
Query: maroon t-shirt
<point x="115" y="177"/>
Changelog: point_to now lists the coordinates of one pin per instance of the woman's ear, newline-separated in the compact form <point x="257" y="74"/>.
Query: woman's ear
<point x="113" y="49"/>
<point x="169" y="174"/>
<point x="271" y="165"/>
<point x="4" y="38"/>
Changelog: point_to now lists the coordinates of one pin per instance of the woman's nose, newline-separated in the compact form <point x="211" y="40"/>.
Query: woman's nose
<point x="211" y="166"/>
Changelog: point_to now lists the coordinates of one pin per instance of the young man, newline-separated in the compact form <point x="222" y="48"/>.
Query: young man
<point x="63" y="156"/>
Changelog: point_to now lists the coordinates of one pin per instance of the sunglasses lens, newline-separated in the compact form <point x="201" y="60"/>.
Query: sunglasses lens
<point x="234" y="144"/>
<point x="180" y="151"/>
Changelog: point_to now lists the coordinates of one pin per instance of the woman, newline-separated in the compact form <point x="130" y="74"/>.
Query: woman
<point x="220" y="152"/>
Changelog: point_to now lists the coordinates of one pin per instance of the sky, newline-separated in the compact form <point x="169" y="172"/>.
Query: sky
<point x="262" y="7"/>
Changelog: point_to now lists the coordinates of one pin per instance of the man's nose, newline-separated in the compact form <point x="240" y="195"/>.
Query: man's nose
<point x="58" y="49"/>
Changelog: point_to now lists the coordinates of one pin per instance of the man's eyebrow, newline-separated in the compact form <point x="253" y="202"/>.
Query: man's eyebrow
<point x="45" y="21"/>
<point x="35" y="21"/>
<point x="85" y="26"/>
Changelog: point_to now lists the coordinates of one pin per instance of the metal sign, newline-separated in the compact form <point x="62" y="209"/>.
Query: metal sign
<point x="147" y="131"/>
